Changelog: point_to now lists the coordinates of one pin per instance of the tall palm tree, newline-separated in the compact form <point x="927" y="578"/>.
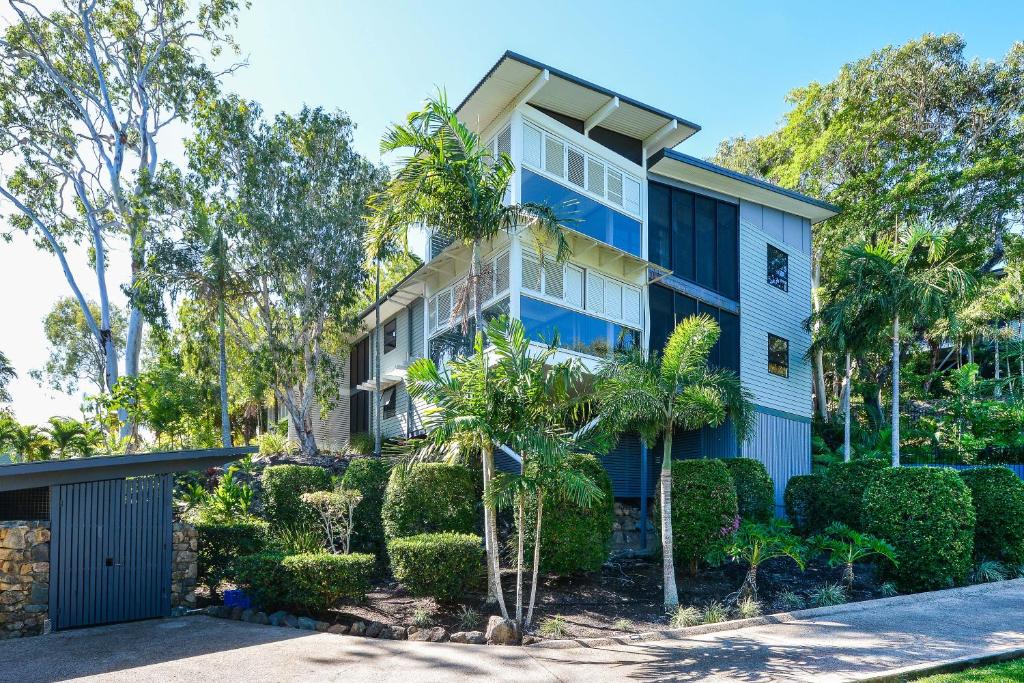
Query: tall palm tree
<point x="450" y="181"/>
<point x="7" y="374"/>
<point x="69" y="436"/>
<point x="902" y="282"/>
<point x="654" y="395"/>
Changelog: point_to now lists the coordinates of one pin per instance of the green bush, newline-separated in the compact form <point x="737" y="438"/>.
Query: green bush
<point x="220" y="542"/>
<point x="369" y="476"/>
<point x="361" y="443"/>
<point x="704" y="507"/>
<point x="998" y="497"/>
<point x="927" y="515"/>
<point x="312" y="581"/>
<point x="574" y="539"/>
<point x="283" y="486"/>
<point x="845" y="483"/>
<point x="755" y="490"/>
<point x="442" y="566"/>
<point x="427" y="498"/>
<point x="804" y="501"/>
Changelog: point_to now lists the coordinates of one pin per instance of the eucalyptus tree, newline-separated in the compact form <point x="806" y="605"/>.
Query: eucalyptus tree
<point x="656" y="394"/>
<point x="87" y="91"/>
<point x="902" y="282"/>
<point x="7" y="375"/>
<point x="74" y="356"/>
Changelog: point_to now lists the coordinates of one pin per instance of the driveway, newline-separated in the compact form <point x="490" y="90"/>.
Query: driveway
<point x="846" y="643"/>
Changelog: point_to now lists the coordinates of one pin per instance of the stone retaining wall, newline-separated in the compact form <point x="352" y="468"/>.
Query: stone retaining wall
<point x="184" y="546"/>
<point x="626" y="534"/>
<point x="24" y="578"/>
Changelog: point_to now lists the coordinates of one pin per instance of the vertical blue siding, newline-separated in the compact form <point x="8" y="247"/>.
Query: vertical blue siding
<point x="783" y="444"/>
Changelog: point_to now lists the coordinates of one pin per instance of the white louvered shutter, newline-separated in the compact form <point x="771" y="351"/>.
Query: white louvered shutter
<point x="631" y="195"/>
<point x="595" y="177"/>
<point x="615" y="187"/>
<point x="501" y="273"/>
<point x="444" y="308"/>
<point x="553" y="278"/>
<point x="573" y="286"/>
<point x="433" y="313"/>
<point x="595" y="293"/>
<point x="631" y="305"/>
<point x="531" y="272"/>
<point x="554" y="156"/>
<point x="504" y="142"/>
<point x="577" y="173"/>
<point x="612" y="299"/>
<point x="532" y="146"/>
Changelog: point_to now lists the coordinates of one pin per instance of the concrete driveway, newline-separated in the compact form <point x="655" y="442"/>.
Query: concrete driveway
<point x="847" y="643"/>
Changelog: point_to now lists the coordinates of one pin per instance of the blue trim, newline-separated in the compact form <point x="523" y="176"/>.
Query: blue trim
<point x="643" y="498"/>
<point x="578" y="81"/>
<point x="779" y="413"/>
<point x="749" y="180"/>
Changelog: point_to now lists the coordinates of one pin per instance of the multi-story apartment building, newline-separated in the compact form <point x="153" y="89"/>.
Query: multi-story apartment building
<point x="657" y="235"/>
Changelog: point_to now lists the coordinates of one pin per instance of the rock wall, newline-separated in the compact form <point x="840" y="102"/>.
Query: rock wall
<point x="626" y="535"/>
<point x="24" y="578"/>
<point x="184" y="547"/>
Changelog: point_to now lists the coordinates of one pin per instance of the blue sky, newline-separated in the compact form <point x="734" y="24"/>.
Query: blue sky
<point x="724" y="65"/>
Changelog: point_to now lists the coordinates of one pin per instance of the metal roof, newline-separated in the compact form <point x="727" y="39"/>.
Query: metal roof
<point x="514" y="76"/>
<point x="702" y="173"/>
<point x="31" y="475"/>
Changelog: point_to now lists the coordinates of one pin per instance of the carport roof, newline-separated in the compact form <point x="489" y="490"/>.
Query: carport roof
<point x="31" y="475"/>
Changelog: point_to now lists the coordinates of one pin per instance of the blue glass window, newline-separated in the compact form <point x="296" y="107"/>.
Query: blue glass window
<point x="574" y="330"/>
<point x="583" y="214"/>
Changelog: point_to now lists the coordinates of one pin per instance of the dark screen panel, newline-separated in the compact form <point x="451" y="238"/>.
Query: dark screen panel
<point x="713" y="357"/>
<point x="682" y="234"/>
<point x="659" y="226"/>
<point x="705" y="247"/>
<point x="728" y="250"/>
<point x="685" y="307"/>
<point x="729" y="346"/>
<point x="662" y="316"/>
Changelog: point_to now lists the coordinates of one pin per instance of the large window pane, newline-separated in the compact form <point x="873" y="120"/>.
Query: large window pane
<point x="659" y="225"/>
<point x="714" y="359"/>
<point x="682" y="234"/>
<point x="706" y="248"/>
<point x="662" y="317"/>
<point x="575" y="331"/>
<point x="728" y="250"/>
<point x="685" y="307"/>
<point x="729" y="353"/>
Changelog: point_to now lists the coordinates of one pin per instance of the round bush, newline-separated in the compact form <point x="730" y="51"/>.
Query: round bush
<point x="755" y="490"/>
<point x="998" y="497"/>
<point x="703" y="506"/>
<point x="845" y="483"/>
<point x="927" y="515"/>
<point x="429" y="497"/>
<point x="369" y="476"/>
<point x="263" y="578"/>
<point x="220" y="543"/>
<point x="804" y="501"/>
<point x="442" y="566"/>
<point x="318" y="580"/>
<point x="283" y="486"/>
<point x="574" y="539"/>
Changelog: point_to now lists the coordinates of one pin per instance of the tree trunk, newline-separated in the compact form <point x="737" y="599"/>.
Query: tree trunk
<point x="378" y="412"/>
<point x="491" y="535"/>
<point x="225" y="420"/>
<point x="848" y="576"/>
<point x="536" y="558"/>
<point x="749" y="588"/>
<point x="998" y="391"/>
<point x="668" y="566"/>
<point x="819" y="362"/>
<point x="896" y="392"/>
<point x="521" y="519"/>
<point x="847" y="387"/>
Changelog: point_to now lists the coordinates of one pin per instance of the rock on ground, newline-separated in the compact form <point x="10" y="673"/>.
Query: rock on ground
<point x="503" y="632"/>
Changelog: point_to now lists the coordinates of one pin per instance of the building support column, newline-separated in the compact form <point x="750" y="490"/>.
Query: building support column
<point x="644" y="491"/>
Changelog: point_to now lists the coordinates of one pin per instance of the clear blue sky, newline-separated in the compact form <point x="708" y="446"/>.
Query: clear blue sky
<point x="724" y="65"/>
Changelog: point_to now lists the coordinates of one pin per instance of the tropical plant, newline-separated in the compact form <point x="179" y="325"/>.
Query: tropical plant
<point x="70" y="437"/>
<point x="469" y="618"/>
<point x="714" y="613"/>
<point x="684" y="616"/>
<point x="7" y="375"/>
<point x="553" y="627"/>
<point x="275" y="443"/>
<point x="230" y="500"/>
<point x="336" y="510"/>
<point x="845" y="546"/>
<point x="988" y="571"/>
<point x="828" y="595"/>
<point x="755" y="543"/>
<point x="655" y="395"/>
<point x="748" y="608"/>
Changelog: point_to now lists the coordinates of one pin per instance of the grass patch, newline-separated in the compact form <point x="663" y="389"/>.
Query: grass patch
<point x="553" y="627"/>
<point x="684" y="617"/>
<point x="997" y="673"/>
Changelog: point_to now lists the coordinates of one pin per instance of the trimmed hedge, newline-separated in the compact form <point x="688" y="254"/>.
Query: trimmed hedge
<point x="755" y="490"/>
<point x="283" y="486"/>
<point x="441" y="566"/>
<point x="428" y="498"/>
<point x="313" y="581"/>
<point x="574" y="539"/>
<point x="221" y="542"/>
<point x="845" y="483"/>
<point x="804" y="501"/>
<point x="998" y="497"/>
<point x="927" y="515"/>
<point x="369" y="476"/>
<point x="703" y="505"/>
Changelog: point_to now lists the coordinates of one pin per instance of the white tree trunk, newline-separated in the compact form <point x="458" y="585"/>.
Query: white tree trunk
<point x="536" y="558"/>
<point x="225" y="420"/>
<point x="819" y="362"/>
<point x="520" y="552"/>
<point x="896" y="392"/>
<point x="378" y="348"/>
<point x="491" y="535"/>
<point x="998" y="391"/>
<point x="668" y="564"/>
<point x="847" y="385"/>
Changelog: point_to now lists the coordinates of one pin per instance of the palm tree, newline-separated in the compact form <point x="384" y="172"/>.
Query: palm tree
<point x="7" y="374"/>
<point x="655" y="395"/>
<point x="29" y="443"/>
<point x="909" y="280"/>
<point x="68" y="436"/>
<point x="450" y="181"/>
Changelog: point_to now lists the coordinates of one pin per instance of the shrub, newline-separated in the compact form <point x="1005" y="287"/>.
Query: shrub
<point x="220" y="542"/>
<point x="369" y="476"/>
<point x="804" y="503"/>
<point x="715" y="613"/>
<point x="755" y="491"/>
<point x="703" y="508"/>
<point x="574" y="539"/>
<point x="318" y="580"/>
<point x="361" y="443"/>
<point x="442" y="566"/>
<point x="926" y="514"/>
<point x="998" y="497"/>
<point x="828" y="595"/>
<point x="283" y="486"/>
<point x="684" y="617"/>
<point x="428" y="498"/>
<point x="263" y="578"/>
<point x="748" y="608"/>
<point x="553" y="627"/>
<point x="845" y="483"/>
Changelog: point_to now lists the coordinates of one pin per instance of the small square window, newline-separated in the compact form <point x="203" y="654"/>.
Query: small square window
<point x="389" y="402"/>
<point x="391" y="335"/>
<point x="778" y="268"/>
<point x="778" y="356"/>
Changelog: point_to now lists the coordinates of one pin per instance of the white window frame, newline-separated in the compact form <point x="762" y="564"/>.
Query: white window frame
<point x="496" y="295"/>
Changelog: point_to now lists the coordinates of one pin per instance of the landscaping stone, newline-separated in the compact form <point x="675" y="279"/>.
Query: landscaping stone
<point x="184" y="564"/>
<point x="236" y="613"/>
<point x="469" y="637"/>
<point x="337" y="629"/>
<point x="247" y="615"/>
<point x="399" y="632"/>
<point x="530" y="640"/>
<point x="291" y="620"/>
<point x="436" y="634"/>
<point x="502" y="632"/>
<point x="277" y="618"/>
<point x="358" y="628"/>
<point x="223" y="611"/>
<point x="261" y="618"/>
<point x="322" y="626"/>
<point x="305" y="624"/>
<point x="373" y="629"/>
<point x="24" y="578"/>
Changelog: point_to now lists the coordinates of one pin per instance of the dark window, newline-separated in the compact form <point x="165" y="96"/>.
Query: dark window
<point x="391" y="335"/>
<point x="662" y="316"/>
<point x="728" y="250"/>
<point x="669" y="308"/>
<point x="704" y="227"/>
<point x="682" y="237"/>
<point x="659" y="226"/>
<point x="714" y="356"/>
<point x="778" y="356"/>
<point x="778" y="268"/>
<point x="729" y="356"/>
<point x="389" y="402"/>
<point x="359" y="409"/>
<point x="359" y="362"/>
